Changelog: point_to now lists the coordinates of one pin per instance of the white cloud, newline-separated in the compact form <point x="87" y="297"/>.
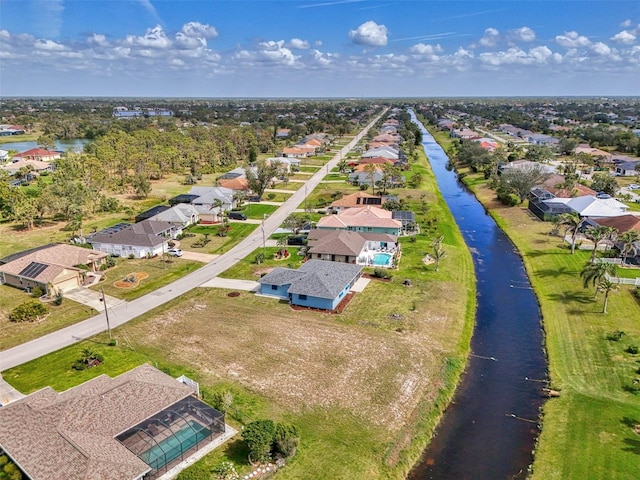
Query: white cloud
<point x="516" y="56"/>
<point x="601" y="48"/>
<point x="572" y="40"/>
<point x="276" y="52"/>
<point x="98" y="39"/>
<point x="299" y="44"/>
<point x="369" y="33"/>
<point x="625" y="37"/>
<point x="522" y="34"/>
<point x="323" y="59"/>
<point x="49" y="45"/>
<point x="199" y="30"/>
<point x="318" y="43"/>
<point x="153" y="38"/>
<point x="626" y="24"/>
<point x="187" y="42"/>
<point x="425" y="49"/>
<point x="490" y="38"/>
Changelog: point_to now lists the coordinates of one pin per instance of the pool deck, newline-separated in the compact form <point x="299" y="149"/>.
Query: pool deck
<point x="173" y="473"/>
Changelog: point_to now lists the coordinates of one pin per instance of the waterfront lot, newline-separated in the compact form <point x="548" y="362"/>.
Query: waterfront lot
<point x="365" y="387"/>
<point x="589" y="431"/>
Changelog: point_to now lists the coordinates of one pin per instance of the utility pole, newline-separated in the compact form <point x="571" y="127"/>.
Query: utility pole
<point x="106" y="312"/>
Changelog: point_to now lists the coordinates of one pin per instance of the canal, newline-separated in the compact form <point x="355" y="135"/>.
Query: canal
<point x="489" y="430"/>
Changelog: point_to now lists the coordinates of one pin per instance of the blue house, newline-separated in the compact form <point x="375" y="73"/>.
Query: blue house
<point x="316" y="284"/>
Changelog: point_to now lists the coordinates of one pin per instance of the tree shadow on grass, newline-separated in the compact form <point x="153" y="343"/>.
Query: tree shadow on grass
<point x="236" y="450"/>
<point x="633" y="444"/>
<point x="567" y="297"/>
<point x="555" y="272"/>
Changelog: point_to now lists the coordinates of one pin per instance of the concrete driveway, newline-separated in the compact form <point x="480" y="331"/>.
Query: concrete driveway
<point x="199" y="257"/>
<point x="92" y="298"/>
<point x="232" y="284"/>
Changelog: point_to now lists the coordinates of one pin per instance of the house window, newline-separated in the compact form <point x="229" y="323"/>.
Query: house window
<point x="274" y="287"/>
<point x="302" y="297"/>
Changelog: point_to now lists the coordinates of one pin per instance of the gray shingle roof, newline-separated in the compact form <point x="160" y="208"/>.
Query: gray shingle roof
<point x="315" y="278"/>
<point x="71" y="435"/>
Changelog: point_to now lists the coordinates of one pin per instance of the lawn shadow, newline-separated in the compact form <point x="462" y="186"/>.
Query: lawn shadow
<point x="566" y="297"/>
<point x="633" y="445"/>
<point x="554" y="272"/>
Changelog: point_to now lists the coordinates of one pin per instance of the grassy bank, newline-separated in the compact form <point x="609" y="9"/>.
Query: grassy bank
<point x="588" y="432"/>
<point x="365" y="387"/>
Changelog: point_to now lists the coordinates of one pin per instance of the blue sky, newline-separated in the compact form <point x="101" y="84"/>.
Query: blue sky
<point x="318" y="48"/>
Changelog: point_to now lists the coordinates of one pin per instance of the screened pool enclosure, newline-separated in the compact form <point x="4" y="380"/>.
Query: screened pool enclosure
<point x="174" y="434"/>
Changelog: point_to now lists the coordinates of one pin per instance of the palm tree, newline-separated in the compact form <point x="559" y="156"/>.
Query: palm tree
<point x="595" y="273"/>
<point x="612" y="234"/>
<point x="629" y="240"/>
<point x="596" y="235"/>
<point x="573" y="222"/>
<point x="607" y="286"/>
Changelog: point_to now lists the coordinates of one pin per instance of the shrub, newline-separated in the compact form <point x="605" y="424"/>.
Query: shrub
<point x="271" y="196"/>
<point x="221" y="401"/>
<point x="615" y="336"/>
<point x="37" y="292"/>
<point x="632" y="349"/>
<point x="636" y="292"/>
<point x="110" y="261"/>
<point x="88" y="358"/>
<point x="259" y="437"/>
<point x="28" y="311"/>
<point x="58" y="301"/>
<point x="131" y="256"/>
<point x="286" y="439"/>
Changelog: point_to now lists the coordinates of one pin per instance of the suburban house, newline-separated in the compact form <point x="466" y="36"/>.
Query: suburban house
<point x="555" y="185"/>
<point x="585" y="206"/>
<point x="140" y="240"/>
<point x="283" y="133"/>
<point x="212" y="202"/>
<point x="623" y="223"/>
<point x="54" y="268"/>
<point x="464" y="133"/>
<point x="35" y="166"/>
<point x="39" y="154"/>
<point x="369" y="219"/>
<point x="352" y="247"/>
<point x="382" y="151"/>
<point x="288" y="163"/>
<point x="316" y="284"/>
<point x="525" y="165"/>
<point x="4" y="155"/>
<point x="375" y="160"/>
<point x="357" y="199"/>
<point x="594" y="152"/>
<point x="152" y="212"/>
<point x="133" y="426"/>
<point x="360" y="177"/>
<point x="297" y="152"/>
<point x="238" y="184"/>
<point x="180" y="216"/>
<point x="628" y="169"/>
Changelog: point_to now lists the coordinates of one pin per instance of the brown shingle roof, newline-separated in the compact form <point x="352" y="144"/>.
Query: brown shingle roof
<point x="623" y="223"/>
<point x="71" y="435"/>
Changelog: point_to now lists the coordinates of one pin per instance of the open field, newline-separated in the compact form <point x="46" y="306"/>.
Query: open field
<point x="365" y="387"/>
<point x="217" y="243"/>
<point x="589" y="431"/>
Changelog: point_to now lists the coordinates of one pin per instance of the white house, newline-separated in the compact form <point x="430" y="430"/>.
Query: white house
<point x="592" y="206"/>
<point x="140" y="240"/>
<point x="628" y="169"/>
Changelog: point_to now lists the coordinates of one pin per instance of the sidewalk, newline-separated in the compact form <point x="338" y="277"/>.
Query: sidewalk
<point x="8" y="394"/>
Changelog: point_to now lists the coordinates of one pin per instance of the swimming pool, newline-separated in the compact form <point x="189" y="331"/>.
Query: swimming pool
<point x="172" y="447"/>
<point x="382" y="259"/>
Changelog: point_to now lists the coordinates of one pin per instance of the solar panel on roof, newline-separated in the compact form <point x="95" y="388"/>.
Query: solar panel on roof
<point x="33" y="270"/>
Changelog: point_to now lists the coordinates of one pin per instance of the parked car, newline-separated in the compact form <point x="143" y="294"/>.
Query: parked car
<point x="174" y="252"/>
<point x="297" y="240"/>
<point x="634" y="186"/>
<point x="236" y="216"/>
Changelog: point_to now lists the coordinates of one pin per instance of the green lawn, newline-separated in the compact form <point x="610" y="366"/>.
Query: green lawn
<point x="12" y="334"/>
<point x="159" y="274"/>
<point x="217" y="244"/>
<point x="258" y="210"/>
<point x="588" y="431"/>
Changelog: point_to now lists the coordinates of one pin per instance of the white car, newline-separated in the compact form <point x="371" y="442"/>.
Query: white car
<point x="174" y="252"/>
<point x="634" y="186"/>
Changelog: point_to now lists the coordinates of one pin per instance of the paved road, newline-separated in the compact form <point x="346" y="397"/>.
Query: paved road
<point x="130" y="310"/>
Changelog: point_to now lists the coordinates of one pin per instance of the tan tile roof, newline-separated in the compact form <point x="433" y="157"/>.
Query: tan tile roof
<point x="368" y="216"/>
<point x="238" y="183"/>
<point x="71" y="435"/>
<point x="355" y="200"/>
<point x="48" y="274"/>
<point x="623" y="223"/>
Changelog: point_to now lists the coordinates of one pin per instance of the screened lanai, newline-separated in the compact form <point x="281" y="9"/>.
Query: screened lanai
<point x="173" y="434"/>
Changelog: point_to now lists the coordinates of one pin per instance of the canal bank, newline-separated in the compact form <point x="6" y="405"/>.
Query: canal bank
<point x="490" y="428"/>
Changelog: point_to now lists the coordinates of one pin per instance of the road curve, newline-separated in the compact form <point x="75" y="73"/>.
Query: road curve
<point x="128" y="311"/>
